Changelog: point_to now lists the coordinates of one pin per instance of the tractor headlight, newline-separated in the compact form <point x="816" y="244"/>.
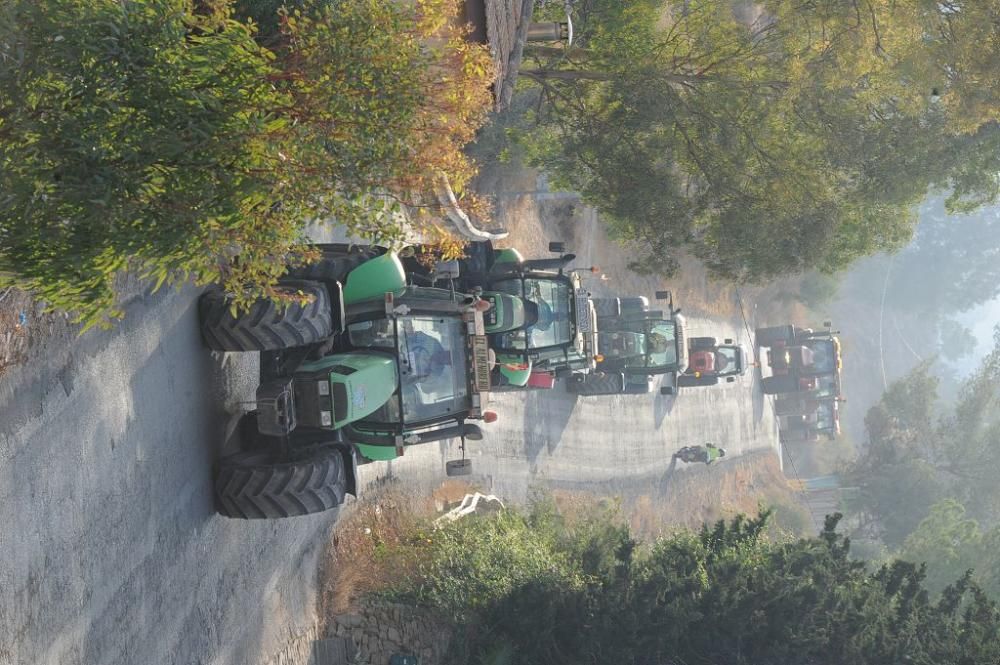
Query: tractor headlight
<point x="323" y="387"/>
<point x="326" y="418"/>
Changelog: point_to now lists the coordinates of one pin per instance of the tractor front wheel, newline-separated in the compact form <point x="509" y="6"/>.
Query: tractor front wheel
<point x="268" y="485"/>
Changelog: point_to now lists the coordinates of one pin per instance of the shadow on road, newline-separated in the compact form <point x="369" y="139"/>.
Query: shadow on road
<point x="663" y="405"/>
<point x="758" y="396"/>
<point x="546" y="415"/>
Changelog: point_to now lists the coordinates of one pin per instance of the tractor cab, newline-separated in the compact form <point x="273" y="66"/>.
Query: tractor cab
<point x="709" y="362"/>
<point x="442" y="367"/>
<point x="825" y="420"/>
<point x="798" y="358"/>
<point x="541" y="321"/>
<point x="652" y="346"/>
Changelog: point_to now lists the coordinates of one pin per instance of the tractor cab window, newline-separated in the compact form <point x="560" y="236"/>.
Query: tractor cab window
<point x="552" y="299"/>
<point x="431" y="361"/>
<point x="825" y="417"/>
<point x="661" y="344"/>
<point x="826" y="386"/>
<point x="824" y="355"/>
<point x="726" y="359"/>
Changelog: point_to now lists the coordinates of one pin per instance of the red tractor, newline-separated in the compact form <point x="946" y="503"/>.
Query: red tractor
<point x="798" y="357"/>
<point x="709" y="362"/>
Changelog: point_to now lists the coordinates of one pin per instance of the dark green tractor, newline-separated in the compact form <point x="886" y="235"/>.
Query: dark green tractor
<point x="371" y="365"/>
<point x="635" y="345"/>
<point x="550" y="325"/>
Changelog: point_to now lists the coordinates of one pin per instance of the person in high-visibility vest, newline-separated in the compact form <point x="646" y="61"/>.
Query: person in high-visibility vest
<point x="712" y="453"/>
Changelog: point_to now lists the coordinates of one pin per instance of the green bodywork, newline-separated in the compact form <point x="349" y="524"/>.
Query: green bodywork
<point x="370" y="385"/>
<point x="373" y="278"/>
<point x="509" y="255"/>
<point x="507" y="312"/>
<point x="510" y="369"/>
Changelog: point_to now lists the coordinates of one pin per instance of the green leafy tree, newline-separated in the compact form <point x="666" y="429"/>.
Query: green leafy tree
<point x="799" y="141"/>
<point x="160" y="136"/>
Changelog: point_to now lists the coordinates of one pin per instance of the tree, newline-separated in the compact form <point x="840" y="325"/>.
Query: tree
<point x="158" y="135"/>
<point x="800" y="141"/>
<point x="957" y="341"/>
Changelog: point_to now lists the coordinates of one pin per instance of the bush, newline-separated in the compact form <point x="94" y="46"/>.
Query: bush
<point x="158" y="135"/>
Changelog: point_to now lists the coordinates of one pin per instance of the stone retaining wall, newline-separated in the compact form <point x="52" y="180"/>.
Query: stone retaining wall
<point x="381" y="630"/>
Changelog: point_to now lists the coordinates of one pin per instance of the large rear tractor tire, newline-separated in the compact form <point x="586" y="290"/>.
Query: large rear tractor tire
<point x="776" y="385"/>
<point x="788" y="406"/>
<point x="267" y="325"/>
<point x="263" y="485"/>
<point x="773" y="335"/>
<point x="634" y="305"/>
<point x="590" y="384"/>
<point x="606" y="307"/>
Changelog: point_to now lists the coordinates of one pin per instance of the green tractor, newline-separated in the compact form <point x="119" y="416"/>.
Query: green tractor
<point x="370" y="365"/>
<point x="549" y="324"/>
<point x="636" y="344"/>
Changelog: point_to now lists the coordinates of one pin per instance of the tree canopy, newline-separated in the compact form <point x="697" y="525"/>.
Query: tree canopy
<point x="533" y="590"/>
<point x="162" y="136"/>
<point x="797" y="138"/>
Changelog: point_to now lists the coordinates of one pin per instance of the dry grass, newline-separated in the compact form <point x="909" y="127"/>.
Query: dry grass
<point x="368" y="531"/>
<point x="699" y="495"/>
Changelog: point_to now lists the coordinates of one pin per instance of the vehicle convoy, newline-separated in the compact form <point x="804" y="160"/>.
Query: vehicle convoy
<point x="552" y="335"/>
<point x="823" y="420"/>
<point x="635" y="345"/>
<point x="798" y="357"/>
<point x="370" y="365"/>
<point x="709" y="362"/>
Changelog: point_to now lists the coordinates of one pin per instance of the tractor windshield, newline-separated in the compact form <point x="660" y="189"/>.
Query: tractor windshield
<point x="825" y="417"/>
<point x="552" y="297"/>
<point x="661" y="344"/>
<point x="824" y="356"/>
<point x="727" y="360"/>
<point x="432" y="366"/>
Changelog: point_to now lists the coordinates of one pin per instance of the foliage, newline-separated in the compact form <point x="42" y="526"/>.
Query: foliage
<point x="964" y="251"/>
<point x="723" y="595"/>
<point x="158" y="135"/>
<point x="799" y="141"/>
<point x="927" y="480"/>
<point x="957" y="341"/>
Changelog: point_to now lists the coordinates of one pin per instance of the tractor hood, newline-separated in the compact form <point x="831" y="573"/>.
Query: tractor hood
<point x="350" y="386"/>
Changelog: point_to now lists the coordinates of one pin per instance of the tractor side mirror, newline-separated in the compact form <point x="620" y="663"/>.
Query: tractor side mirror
<point x="828" y="324"/>
<point x="472" y="433"/>
<point x="727" y="341"/>
<point x="730" y="379"/>
<point x="664" y="295"/>
<point x="557" y="247"/>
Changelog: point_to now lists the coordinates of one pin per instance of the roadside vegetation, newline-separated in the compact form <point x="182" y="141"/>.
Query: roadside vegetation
<point x="185" y="139"/>
<point x="540" y="586"/>
<point x="926" y="480"/>
<point x="767" y="138"/>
